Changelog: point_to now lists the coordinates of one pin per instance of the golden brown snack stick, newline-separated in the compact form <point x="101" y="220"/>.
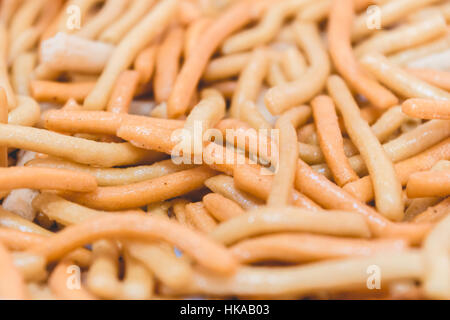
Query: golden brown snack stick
<point x="22" y="67"/>
<point x="146" y="192"/>
<point x="437" y="78"/>
<point x="127" y="50"/>
<point x="199" y="217"/>
<point x="207" y="253"/>
<point x="193" y="33"/>
<point x="429" y="184"/>
<point x="339" y="31"/>
<point x="145" y="63"/>
<point x="283" y="97"/>
<point x="221" y="208"/>
<point x="298" y="247"/>
<point x="290" y="219"/>
<point x="233" y="19"/>
<point x="434" y="213"/>
<point x="123" y="92"/>
<point x="331" y="141"/>
<point x="60" y="92"/>
<point x="427" y="109"/>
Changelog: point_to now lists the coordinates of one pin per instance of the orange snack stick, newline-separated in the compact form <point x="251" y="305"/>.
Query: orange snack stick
<point x="60" y="92"/>
<point x="427" y="109"/>
<point x="145" y="63"/>
<point x="12" y="284"/>
<point x="199" y="217"/>
<point x="221" y="208"/>
<point x="440" y="79"/>
<point x="123" y="92"/>
<point x="429" y="184"/>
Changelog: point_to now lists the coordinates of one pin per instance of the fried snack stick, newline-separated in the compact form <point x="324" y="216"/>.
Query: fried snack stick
<point x="429" y="184"/>
<point x="400" y="80"/>
<point x="12" y="284"/>
<point x="168" y="63"/>
<point x="437" y="78"/>
<point x="293" y="63"/>
<point x="290" y="219"/>
<point x="305" y="279"/>
<point x="297" y="248"/>
<point x="390" y="13"/>
<point x="252" y="181"/>
<point x="283" y="97"/>
<point x="224" y="185"/>
<point x="44" y="178"/>
<point x="138" y="282"/>
<point x="403" y="38"/>
<point x="99" y="122"/>
<point x="434" y="213"/>
<point x="146" y="192"/>
<point x="3" y="119"/>
<point x="427" y="109"/>
<point x="437" y="280"/>
<point x="134" y="13"/>
<point x="388" y="123"/>
<point x="233" y="19"/>
<point x="113" y="176"/>
<point x="127" y="50"/>
<point x="60" y="92"/>
<point x="145" y="63"/>
<point x="362" y="189"/>
<point x="25" y="17"/>
<point x="4" y="76"/>
<point x="65" y="52"/>
<point x="65" y="271"/>
<point x="283" y="181"/>
<point x="16" y="240"/>
<point x="22" y="67"/>
<point x="221" y="208"/>
<point x="199" y="217"/>
<point x="207" y="253"/>
<point x="331" y="141"/>
<point x="250" y="81"/>
<point x="102" y="277"/>
<point x="387" y="188"/>
<point x="339" y="30"/>
<point x="123" y="92"/>
<point x="194" y="33"/>
<point x="79" y="150"/>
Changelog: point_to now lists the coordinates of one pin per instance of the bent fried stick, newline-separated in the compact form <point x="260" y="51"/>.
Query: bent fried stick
<point x="285" y="96"/>
<point x="296" y="247"/>
<point x="212" y="256"/>
<point x="221" y="208"/>
<point x="27" y="113"/>
<point x="233" y="19"/>
<point x="45" y="178"/>
<point x="77" y="149"/>
<point x="429" y="184"/>
<point x="387" y="188"/>
<point x="289" y="219"/>
<point x="123" y="92"/>
<point x="427" y="109"/>
<point x="331" y="141"/>
<point x="48" y="91"/>
<point x="198" y="216"/>
<point x="339" y="30"/>
<point x="145" y="63"/>
<point x="12" y="284"/>
<point x="146" y="192"/>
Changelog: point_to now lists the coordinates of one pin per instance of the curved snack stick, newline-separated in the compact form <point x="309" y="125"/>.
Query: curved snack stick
<point x="18" y="240"/>
<point x="266" y="30"/>
<point x="387" y="188"/>
<point x="427" y="109"/>
<point x="293" y="63"/>
<point x="400" y="80"/>
<point x="440" y="79"/>
<point x="58" y="283"/>
<point x="339" y="29"/>
<point x="289" y="219"/>
<point x="107" y="14"/>
<point x="44" y="178"/>
<point x="194" y="33"/>
<point x="233" y="19"/>
<point x="60" y="92"/>
<point x="79" y="150"/>
<point x="250" y="81"/>
<point x="145" y="63"/>
<point x="331" y="141"/>
<point x="221" y="208"/>
<point x="209" y="254"/>
<point x="134" y="13"/>
<point x="252" y="115"/>
<point x="305" y="279"/>
<point x="199" y="217"/>
<point x="437" y="280"/>
<point x="107" y="177"/>
<point x="388" y="123"/>
<point x="12" y="284"/>
<point x="296" y="247"/>
<point x="281" y="98"/>
<point x="429" y="184"/>
<point x="404" y="38"/>
<point x="123" y="92"/>
<point x="146" y="192"/>
<point x="127" y="50"/>
<point x="362" y="189"/>
<point x="4" y="76"/>
<point x="168" y="64"/>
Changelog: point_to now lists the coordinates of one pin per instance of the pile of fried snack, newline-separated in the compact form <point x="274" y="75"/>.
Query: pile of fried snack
<point x="250" y="149"/>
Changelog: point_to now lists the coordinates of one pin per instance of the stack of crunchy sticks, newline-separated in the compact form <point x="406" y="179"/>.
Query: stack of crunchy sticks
<point x="252" y="149"/>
